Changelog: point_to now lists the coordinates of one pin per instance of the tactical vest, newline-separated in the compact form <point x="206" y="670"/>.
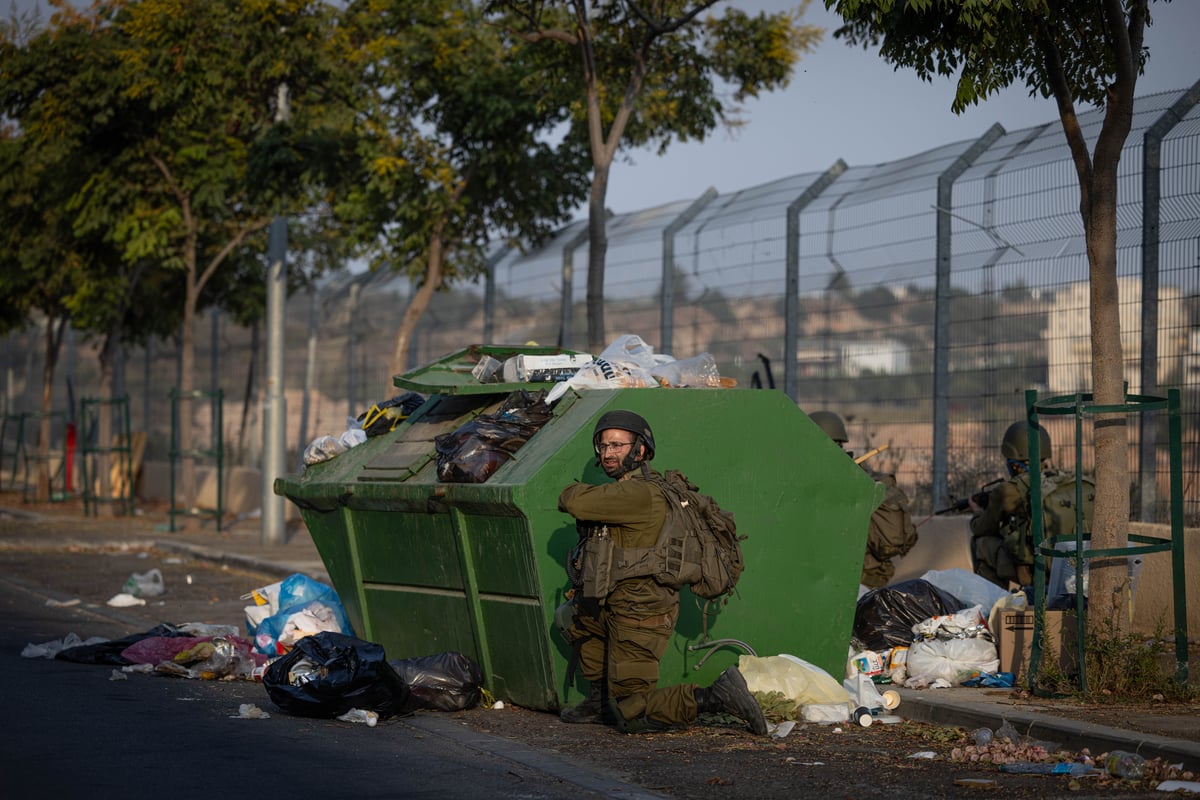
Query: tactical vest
<point x="698" y="546"/>
<point x="1059" y="512"/>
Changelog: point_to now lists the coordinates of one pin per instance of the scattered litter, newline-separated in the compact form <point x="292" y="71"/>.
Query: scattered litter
<point x="825" y="712"/>
<point x="1191" y="787"/>
<point x="144" y="584"/>
<point x="1042" y="768"/>
<point x="369" y="718"/>
<point x="118" y="675"/>
<point x="498" y="705"/>
<point x="125" y="600"/>
<point x="200" y="629"/>
<point x="52" y="603"/>
<point x="924" y="754"/>
<point x="791" y="760"/>
<point x="993" y="680"/>
<point x="53" y="648"/>
<point x="144" y="669"/>
<point x="250" y="711"/>
<point x="976" y="783"/>
<point x="173" y="560"/>
<point x="889" y="719"/>
<point x="781" y="730"/>
<point x="837" y="729"/>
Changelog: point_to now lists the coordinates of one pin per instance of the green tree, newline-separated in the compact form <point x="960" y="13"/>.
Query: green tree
<point x="204" y="91"/>
<point x="54" y="93"/>
<point x="1074" y="51"/>
<point x="453" y="145"/>
<point x="651" y="74"/>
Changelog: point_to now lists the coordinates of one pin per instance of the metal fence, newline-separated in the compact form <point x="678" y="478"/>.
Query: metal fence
<point x="918" y="298"/>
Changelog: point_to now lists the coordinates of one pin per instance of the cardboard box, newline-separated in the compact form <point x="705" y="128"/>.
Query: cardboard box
<point x="1013" y="631"/>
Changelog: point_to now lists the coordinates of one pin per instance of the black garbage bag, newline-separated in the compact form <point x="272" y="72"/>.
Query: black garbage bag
<point x="479" y="447"/>
<point x="109" y="653"/>
<point x="884" y="617"/>
<point x="327" y="674"/>
<point x="443" y="682"/>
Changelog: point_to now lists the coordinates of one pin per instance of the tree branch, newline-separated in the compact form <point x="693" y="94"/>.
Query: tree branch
<point x="1056" y="77"/>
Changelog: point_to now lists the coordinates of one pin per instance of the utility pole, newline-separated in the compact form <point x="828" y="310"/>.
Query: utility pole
<point x="274" y="400"/>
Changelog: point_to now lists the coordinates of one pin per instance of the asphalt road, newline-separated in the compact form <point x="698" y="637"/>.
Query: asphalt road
<point x="87" y="730"/>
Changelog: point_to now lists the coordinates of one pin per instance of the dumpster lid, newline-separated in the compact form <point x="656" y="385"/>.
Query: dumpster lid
<point x="452" y="374"/>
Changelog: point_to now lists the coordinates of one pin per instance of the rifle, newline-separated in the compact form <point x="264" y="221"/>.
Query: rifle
<point x="980" y="498"/>
<point x="871" y="453"/>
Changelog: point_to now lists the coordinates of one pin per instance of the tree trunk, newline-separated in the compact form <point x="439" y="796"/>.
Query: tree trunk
<point x="419" y="303"/>
<point x="597" y="254"/>
<point x="1108" y="583"/>
<point x="100" y="476"/>
<point x="54" y="330"/>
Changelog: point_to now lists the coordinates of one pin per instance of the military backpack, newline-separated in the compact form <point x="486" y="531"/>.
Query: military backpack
<point x="698" y="546"/>
<point x="1059" y="504"/>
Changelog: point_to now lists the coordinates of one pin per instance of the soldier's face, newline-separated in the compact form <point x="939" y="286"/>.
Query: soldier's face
<point x="613" y="447"/>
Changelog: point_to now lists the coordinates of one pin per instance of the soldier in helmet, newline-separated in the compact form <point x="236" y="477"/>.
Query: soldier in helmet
<point x="1001" y="543"/>
<point x="620" y="638"/>
<point x="891" y="532"/>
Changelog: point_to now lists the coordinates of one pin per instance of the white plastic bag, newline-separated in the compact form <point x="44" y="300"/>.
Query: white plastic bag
<point x="144" y="584"/>
<point x="953" y="660"/>
<point x="968" y="587"/>
<point x="793" y="677"/>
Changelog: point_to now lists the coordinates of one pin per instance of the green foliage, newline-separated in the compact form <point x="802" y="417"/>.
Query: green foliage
<point x="991" y="45"/>
<point x="455" y="141"/>
<point x="1121" y="667"/>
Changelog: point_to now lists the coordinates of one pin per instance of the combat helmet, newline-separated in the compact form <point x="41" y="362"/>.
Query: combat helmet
<point x="1015" y="444"/>
<point x="832" y="424"/>
<point x="626" y="421"/>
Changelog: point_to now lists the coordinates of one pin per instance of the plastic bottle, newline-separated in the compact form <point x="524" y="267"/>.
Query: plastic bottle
<point x="1124" y="764"/>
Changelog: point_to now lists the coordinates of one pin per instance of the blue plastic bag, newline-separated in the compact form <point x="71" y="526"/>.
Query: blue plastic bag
<point x="303" y="607"/>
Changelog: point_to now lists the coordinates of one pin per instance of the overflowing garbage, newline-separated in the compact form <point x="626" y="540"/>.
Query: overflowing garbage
<point x="470" y="454"/>
<point x="298" y="642"/>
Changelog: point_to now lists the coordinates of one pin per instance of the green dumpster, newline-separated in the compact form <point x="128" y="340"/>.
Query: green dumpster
<point x="426" y="567"/>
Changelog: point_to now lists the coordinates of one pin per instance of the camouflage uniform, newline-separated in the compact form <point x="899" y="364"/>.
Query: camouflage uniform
<point x="891" y="533"/>
<point x="622" y="637"/>
<point x="1001" y="543"/>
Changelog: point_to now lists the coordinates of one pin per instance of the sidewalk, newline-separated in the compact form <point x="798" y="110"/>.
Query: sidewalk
<point x="242" y="544"/>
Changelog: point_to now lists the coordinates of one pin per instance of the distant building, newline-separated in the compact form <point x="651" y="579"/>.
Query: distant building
<point x="1069" y="344"/>
<point x="853" y="358"/>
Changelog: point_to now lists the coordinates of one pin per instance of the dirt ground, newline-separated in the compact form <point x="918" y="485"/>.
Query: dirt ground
<point x="724" y="761"/>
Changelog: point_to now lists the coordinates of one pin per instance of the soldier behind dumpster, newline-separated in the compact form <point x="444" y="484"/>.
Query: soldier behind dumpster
<point x="891" y="532"/>
<point x="619" y="638"/>
<point x="1001" y="539"/>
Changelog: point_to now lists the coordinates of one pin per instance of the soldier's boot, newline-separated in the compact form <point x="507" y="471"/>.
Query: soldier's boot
<point x="642" y="724"/>
<point x="590" y="711"/>
<point x="730" y="695"/>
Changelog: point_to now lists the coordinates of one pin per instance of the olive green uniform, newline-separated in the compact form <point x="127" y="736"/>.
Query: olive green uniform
<point x="995" y="549"/>
<point x="891" y="533"/>
<point x="622" y="636"/>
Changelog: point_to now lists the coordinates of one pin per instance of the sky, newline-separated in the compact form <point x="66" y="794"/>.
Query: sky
<point x="848" y="103"/>
<point x="845" y="102"/>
